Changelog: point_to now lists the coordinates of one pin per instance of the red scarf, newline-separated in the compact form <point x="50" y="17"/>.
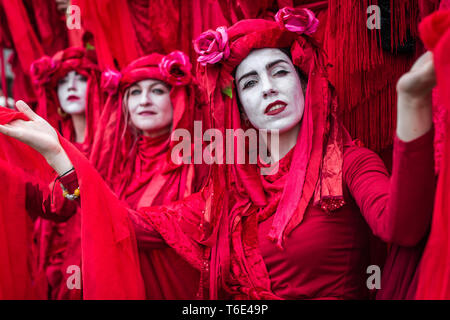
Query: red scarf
<point x="434" y="276"/>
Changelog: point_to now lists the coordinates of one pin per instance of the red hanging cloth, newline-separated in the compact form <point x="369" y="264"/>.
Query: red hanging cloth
<point x="434" y="277"/>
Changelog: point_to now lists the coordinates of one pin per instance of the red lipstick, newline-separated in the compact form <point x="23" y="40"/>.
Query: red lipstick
<point x="270" y="108"/>
<point x="73" y="98"/>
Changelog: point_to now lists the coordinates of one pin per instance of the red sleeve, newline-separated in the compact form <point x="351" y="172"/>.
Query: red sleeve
<point x="397" y="209"/>
<point x="39" y="202"/>
<point x="147" y="237"/>
<point x="179" y="224"/>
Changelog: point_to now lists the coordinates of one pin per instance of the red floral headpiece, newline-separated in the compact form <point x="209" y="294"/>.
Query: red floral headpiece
<point x="174" y="68"/>
<point x="48" y="70"/>
<point x="213" y="46"/>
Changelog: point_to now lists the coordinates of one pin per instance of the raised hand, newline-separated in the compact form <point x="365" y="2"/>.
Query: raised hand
<point x="414" y="114"/>
<point x="39" y="135"/>
<point x="420" y="80"/>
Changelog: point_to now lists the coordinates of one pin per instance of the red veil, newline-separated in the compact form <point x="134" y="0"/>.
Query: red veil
<point x="241" y="197"/>
<point x="434" y="276"/>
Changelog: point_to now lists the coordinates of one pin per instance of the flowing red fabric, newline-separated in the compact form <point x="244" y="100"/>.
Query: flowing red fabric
<point x="15" y="224"/>
<point x="124" y="30"/>
<point x="34" y="28"/>
<point x="434" y="276"/>
<point x="25" y="41"/>
<point x="110" y="266"/>
<point x="315" y="168"/>
<point x="15" y="274"/>
<point x="110" y="22"/>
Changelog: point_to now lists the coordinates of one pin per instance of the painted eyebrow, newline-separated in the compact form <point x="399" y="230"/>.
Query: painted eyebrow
<point x="268" y="66"/>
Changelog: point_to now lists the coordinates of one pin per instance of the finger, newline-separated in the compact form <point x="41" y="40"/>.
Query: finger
<point x="26" y="110"/>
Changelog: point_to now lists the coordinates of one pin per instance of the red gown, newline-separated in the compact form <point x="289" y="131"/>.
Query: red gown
<point x="326" y="256"/>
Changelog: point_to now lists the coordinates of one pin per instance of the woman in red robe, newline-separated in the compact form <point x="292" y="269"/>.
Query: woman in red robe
<point x="69" y="98"/>
<point x="301" y="231"/>
<point x="149" y="100"/>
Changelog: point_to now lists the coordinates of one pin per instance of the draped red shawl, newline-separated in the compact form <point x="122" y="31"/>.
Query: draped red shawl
<point x="241" y="197"/>
<point x="434" y="276"/>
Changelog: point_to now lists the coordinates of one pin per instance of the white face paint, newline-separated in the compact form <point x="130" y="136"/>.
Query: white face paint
<point x="150" y="106"/>
<point x="270" y="90"/>
<point x="71" y="92"/>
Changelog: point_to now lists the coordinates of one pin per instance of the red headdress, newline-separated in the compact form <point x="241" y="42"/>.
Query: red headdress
<point x="47" y="71"/>
<point x="117" y="146"/>
<point x="314" y="174"/>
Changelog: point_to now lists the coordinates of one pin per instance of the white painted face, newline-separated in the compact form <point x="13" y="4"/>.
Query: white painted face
<point x="270" y="90"/>
<point x="71" y="92"/>
<point x="150" y="106"/>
